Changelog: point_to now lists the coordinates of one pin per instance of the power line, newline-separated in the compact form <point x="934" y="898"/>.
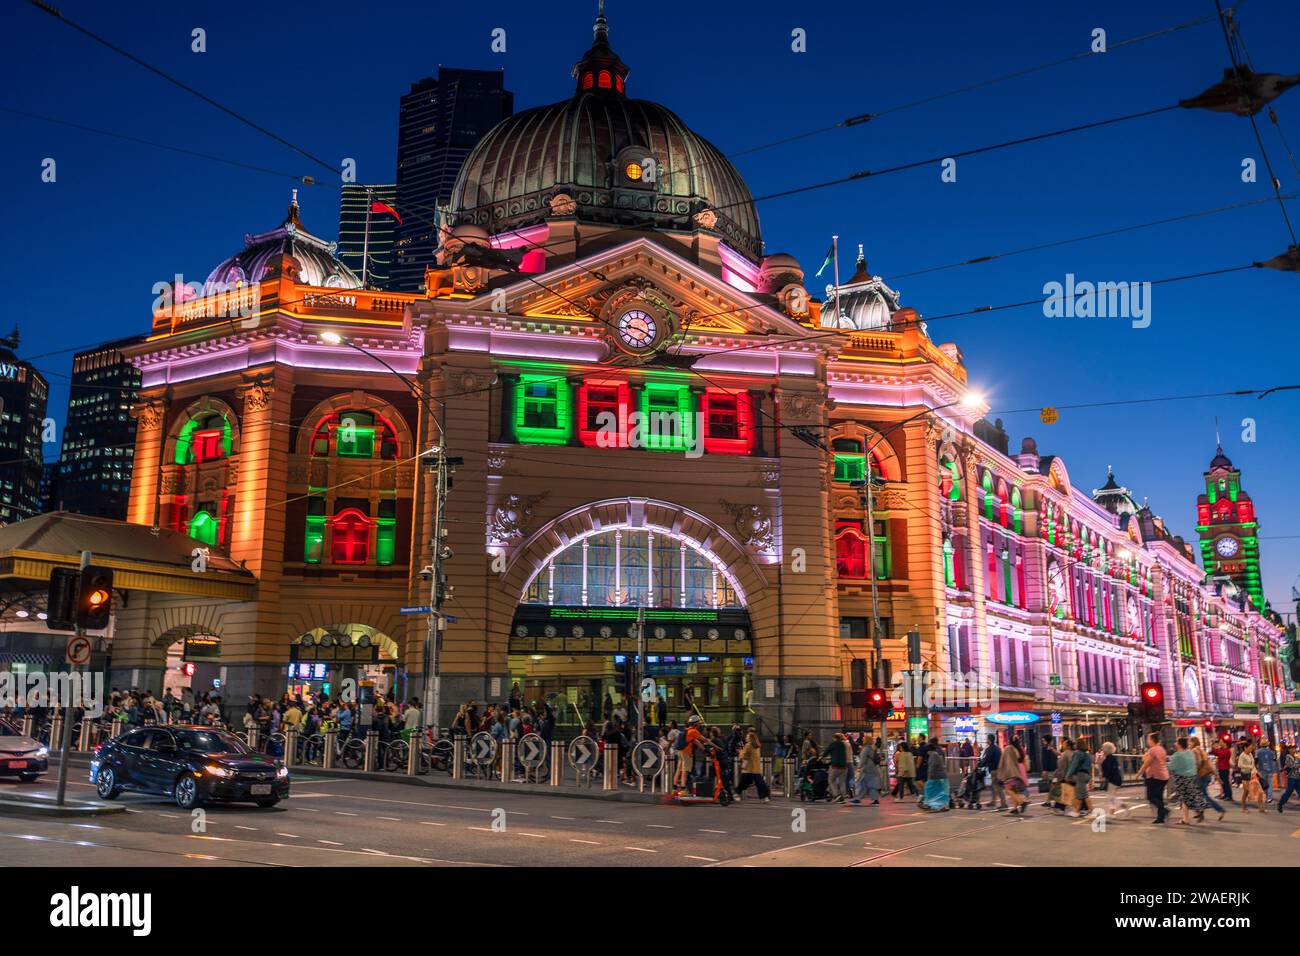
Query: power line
<point x="1235" y="393"/>
<point x="57" y="14"/>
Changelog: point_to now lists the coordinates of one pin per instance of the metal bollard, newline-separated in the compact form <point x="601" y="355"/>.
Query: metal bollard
<point x="611" y="767"/>
<point x="56" y="733"/>
<point x="557" y="763"/>
<point x="372" y="750"/>
<point x="669" y="772"/>
<point x="290" y="746"/>
<point x="765" y="769"/>
<point x="27" y="725"/>
<point x="458" y="758"/>
<point x="84" y="743"/>
<point x="115" y="729"/>
<point x="787" y="777"/>
<point x="252" y="738"/>
<point x="327" y="759"/>
<point x="413" y="755"/>
<point x="507" y="754"/>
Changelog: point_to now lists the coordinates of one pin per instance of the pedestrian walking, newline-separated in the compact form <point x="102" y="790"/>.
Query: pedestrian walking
<point x="1155" y="771"/>
<point x="1012" y="774"/>
<point x="1247" y="766"/>
<point x="838" y="754"/>
<point x="1079" y="773"/>
<point x="1182" y="769"/>
<point x="751" y="768"/>
<point x="990" y="760"/>
<point x="1222" y="755"/>
<point x="1205" y="772"/>
<point x="1112" y="778"/>
<point x="1266" y="766"/>
<point x="1291" y="767"/>
<point x="869" y="772"/>
<point x="904" y="771"/>
<point x="937" y="794"/>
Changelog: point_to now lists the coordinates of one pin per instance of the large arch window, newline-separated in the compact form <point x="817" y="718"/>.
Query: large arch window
<point x="207" y="436"/>
<point x="351" y="544"/>
<point x="851" y="545"/>
<point x="632" y="567"/>
<point x="351" y="535"/>
<point x="355" y="434"/>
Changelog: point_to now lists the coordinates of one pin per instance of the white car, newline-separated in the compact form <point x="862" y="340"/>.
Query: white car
<point x="24" y="757"/>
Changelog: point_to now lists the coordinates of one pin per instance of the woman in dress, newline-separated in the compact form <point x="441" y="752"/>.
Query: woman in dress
<point x="937" y="795"/>
<point x="1182" y="771"/>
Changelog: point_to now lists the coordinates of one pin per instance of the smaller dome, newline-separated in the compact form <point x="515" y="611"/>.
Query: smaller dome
<point x="865" y="302"/>
<point x="313" y="257"/>
<point x="779" y="270"/>
<point x="1220" y="462"/>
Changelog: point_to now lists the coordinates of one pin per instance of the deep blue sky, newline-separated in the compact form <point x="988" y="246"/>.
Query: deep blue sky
<point x="83" y="253"/>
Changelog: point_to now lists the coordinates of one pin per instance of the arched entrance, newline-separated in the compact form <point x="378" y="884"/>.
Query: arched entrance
<point x="191" y="661"/>
<point x="322" y="658"/>
<point x="574" y="642"/>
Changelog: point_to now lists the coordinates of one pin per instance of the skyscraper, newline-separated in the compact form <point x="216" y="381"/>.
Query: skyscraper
<point x="94" y="469"/>
<point x="23" y="395"/>
<point x="369" y="257"/>
<point x="440" y="121"/>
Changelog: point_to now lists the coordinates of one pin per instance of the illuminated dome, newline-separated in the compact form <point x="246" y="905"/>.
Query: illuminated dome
<point x="314" y="258"/>
<point x="865" y="302"/>
<point x="583" y="158"/>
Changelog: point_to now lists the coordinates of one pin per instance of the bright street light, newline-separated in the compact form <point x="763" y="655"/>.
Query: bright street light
<point x="331" y="338"/>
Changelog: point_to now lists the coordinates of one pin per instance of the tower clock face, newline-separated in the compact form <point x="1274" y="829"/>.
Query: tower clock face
<point x="1227" y="547"/>
<point x="637" y="329"/>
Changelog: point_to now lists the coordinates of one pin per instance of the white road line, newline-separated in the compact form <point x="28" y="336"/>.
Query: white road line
<point x="938" y="856"/>
<point x="609" y="821"/>
<point x="764" y="836"/>
<point x="1016" y="865"/>
<point x="706" y="859"/>
<point x="344" y="813"/>
<point x="713" y="831"/>
<point x="564" y="818"/>
<point x="291" y="836"/>
<point x="430" y="823"/>
<point x="329" y="842"/>
<point x="394" y="819"/>
<point x="238" y="827"/>
<point x="366" y="849"/>
<point x="591" y="842"/>
<point x="640" y="849"/>
<point x="540" y="836"/>
<point x="659" y="826"/>
<point x="171" y="815"/>
<point x="838" y="844"/>
<point x="129" y="810"/>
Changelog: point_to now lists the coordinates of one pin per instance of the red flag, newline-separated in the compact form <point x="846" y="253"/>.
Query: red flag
<point x="377" y="206"/>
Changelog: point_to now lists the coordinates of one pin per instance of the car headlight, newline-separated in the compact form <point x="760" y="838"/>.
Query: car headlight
<point x="42" y="753"/>
<point x="282" y="773"/>
<point x="218" y="771"/>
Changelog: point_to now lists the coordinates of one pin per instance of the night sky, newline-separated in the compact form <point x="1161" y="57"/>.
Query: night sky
<point x="84" y="252"/>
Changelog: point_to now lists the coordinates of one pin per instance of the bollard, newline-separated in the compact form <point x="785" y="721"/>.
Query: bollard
<point x="765" y="769"/>
<point x="372" y="750"/>
<point x="557" y="763"/>
<point x="413" y="755"/>
<point x="27" y="725"/>
<point x="290" y="746"/>
<point x="252" y="738"/>
<point x="670" y="771"/>
<point x="84" y="744"/>
<point x="611" y="767"/>
<point x="116" y="728"/>
<point x="507" y="757"/>
<point x="787" y="777"/>
<point x="327" y="758"/>
<point x="56" y="733"/>
<point x="458" y="758"/>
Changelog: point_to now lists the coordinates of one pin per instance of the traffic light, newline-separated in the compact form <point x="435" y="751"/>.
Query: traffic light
<point x="94" y="598"/>
<point x="1151" y="697"/>
<point x="1255" y="731"/>
<point x="877" y="705"/>
<point x="1209" y="725"/>
<point x="61" y="602"/>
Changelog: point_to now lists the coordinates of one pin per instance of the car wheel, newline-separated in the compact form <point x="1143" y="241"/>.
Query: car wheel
<point x="187" y="792"/>
<point x="106" y="784"/>
<point x="28" y="777"/>
<point x="266" y="803"/>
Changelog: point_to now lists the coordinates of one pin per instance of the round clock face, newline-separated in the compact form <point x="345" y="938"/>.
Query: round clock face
<point x="637" y="329"/>
<point x="1227" y="547"/>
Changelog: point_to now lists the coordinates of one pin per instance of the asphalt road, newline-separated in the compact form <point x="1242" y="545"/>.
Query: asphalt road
<point x="341" y="822"/>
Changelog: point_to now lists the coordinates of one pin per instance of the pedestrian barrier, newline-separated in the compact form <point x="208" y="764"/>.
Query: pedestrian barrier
<point x="458" y="758"/>
<point x="611" y="767"/>
<point x="371" y="753"/>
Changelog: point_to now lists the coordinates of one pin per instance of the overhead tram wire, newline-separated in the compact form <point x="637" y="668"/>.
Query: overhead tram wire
<point x="58" y="15"/>
<point x="1272" y="113"/>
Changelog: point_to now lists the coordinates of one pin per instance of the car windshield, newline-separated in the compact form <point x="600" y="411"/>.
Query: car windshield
<point x="210" y="742"/>
<point x="7" y="731"/>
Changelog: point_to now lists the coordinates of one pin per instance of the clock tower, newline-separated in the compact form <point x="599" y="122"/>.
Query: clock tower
<point x="1229" y="531"/>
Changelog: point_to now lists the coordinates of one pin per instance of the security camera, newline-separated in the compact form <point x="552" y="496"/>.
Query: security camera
<point x="426" y="572"/>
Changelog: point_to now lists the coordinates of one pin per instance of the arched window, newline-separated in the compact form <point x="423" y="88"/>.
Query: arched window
<point x="355" y="434"/>
<point x="588" y="81"/>
<point x="1017" y="512"/>
<point x="205" y="437"/>
<point x="605" y="81"/>
<point x="850" y="552"/>
<point x="1004" y="505"/>
<point x="204" y="527"/>
<point x="351" y="537"/>
<point x="986" y="483"/>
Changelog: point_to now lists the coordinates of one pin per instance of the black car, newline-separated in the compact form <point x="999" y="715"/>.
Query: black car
<point x="191" y="764"/>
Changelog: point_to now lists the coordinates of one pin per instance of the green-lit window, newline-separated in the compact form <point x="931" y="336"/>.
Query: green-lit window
<point x="313" y="544"/>
<point x="204" y="527"/>
<point x="880" y="550"/>
<point x="356" y="435"/>
<point x="850" y="463"/>
<point x="205" y="437"/>
<point x="386" y="533"/>
<point x="667" y="417"/>
<point x="542" y="410"/>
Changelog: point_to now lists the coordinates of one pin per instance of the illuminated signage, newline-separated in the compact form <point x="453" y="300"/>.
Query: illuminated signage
<point x="1012" y="717"/>
<point x="9" y="371"/>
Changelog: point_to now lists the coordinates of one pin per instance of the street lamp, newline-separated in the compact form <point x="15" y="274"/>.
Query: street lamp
<point x="432" y="645"/>
<point x="866" y="490"/>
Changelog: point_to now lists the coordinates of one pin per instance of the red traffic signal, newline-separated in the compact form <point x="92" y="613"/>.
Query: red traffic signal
<point x="1151" y="701"/>
<point x="1209" y="725"/>
<point x="1254" y="729"/>
<point x="877" y="704"/>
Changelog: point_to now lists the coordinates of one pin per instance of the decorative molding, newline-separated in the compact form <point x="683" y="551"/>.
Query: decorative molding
<point x="510" y="519"/>
<point x="752" y="524"/>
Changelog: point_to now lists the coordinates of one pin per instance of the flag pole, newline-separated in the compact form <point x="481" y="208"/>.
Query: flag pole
<point x="835" y="251"/>
<point x="365" y="242"/>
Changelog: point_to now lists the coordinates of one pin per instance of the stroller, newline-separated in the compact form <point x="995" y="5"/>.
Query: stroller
<point x="971" y="787"/>
<point x="815" y="782"/>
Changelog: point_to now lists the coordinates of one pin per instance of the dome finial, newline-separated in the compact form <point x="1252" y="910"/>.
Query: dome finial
<point x="600" y="70"/>
<point x="291" y="217"/>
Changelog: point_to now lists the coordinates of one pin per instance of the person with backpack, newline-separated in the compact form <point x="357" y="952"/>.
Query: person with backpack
<point x="751" y="768"/>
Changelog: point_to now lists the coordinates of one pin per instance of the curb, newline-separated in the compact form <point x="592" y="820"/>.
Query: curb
<point x="531" y="789"/>
<point x="42" y="808"/>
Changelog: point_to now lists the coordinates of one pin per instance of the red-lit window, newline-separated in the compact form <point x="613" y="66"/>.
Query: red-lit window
<point x="1004" y="507"/>
<point x="207" y="444"/>
<point x="728" y="423"/>
<point x="604" y="80"/>
<point x="1203" y="513"/>
<point x="587" y="81"/>
<point x="351" y="537"/>
<point x="1245" y="512"/>
<point x="850" y="552"/>
<point x="618" y="83"/>
<point x="597" y="401"/>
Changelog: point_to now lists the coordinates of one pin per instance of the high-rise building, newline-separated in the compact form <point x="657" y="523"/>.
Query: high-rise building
<point x="366" y="236"/>
<point x="94" y="469"/>
<point x="1229" y="529"/>
<point x="440" y="121"/>
<point x="23" y="395"/>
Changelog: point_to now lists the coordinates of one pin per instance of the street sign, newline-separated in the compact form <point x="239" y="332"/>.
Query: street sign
<point x="417" y="609"/>
<point x="583" y="754"/>
<point x="78" y="651"/>
<point x="647" y="758"/>
<point x="532" y="751"/>
<point x="482" y="748"/>
<point x="648" y="690"/>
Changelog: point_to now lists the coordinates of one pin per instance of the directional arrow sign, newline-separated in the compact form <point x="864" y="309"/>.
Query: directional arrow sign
<point x="583" y="753"/>
<point x="78" y="650"/>
<point x="482" y="747"/>
<point x="647" y="758"/>
<point x="532" y="751"/>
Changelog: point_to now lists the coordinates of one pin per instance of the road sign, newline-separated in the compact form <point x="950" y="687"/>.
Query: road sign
<point x="532" y="751"/>
<point x="78" y="650"/>
<point x="648" y="691"/>
<point x="647" y="758"/>
<point x="482" y="747"/>
<point x="417" y="609"/>
<point x="583" y="754"/>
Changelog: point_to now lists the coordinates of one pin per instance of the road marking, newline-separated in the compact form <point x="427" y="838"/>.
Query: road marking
<point x="329" y="842"/>
<point x="171" y="815"/>
<point x="640" y="849"/>
<point x="129" y="810"/>
<point x="610" y="821"/>
<point x="713" y="831"/>
<point x="938" y="856"/>
<point x="238" y="827"/>
<point x="344" y="813"/>
<point x="564" y="818"/>
<point x="659" y="826"/>
<point x="540" y="836"/>
<point x="1016" y="865"/>
<point x="837" y="844"/>
<point x="483" y="829"/>
<point x="591" y="842"/>
<point x="706" y="859"/>
<point x="291" y="836"/>
<point x="394" y="819"/>
<point x="430" y="823"/>
<point x="764" y="836"/>
<point x="366" y="849"/>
